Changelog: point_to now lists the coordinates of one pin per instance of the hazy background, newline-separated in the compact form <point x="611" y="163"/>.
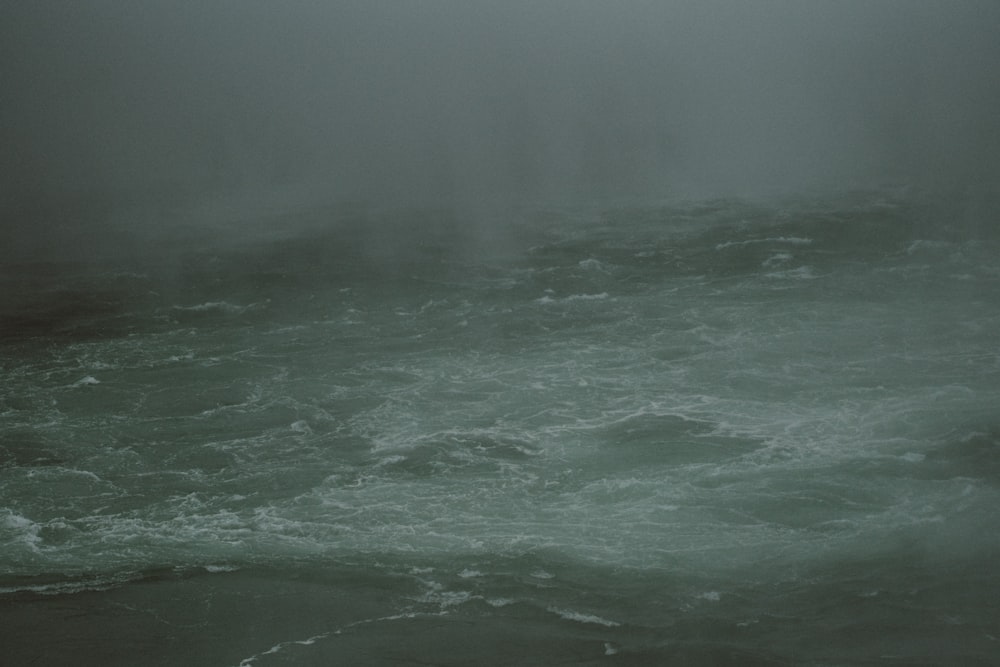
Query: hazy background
<point x="123" y="111"/>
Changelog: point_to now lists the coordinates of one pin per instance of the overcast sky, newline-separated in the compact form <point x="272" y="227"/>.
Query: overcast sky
<point x="432" y="101"/>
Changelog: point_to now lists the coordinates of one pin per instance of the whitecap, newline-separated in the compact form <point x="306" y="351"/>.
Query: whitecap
<point x="571" y="615"/>
<point x="779" y="258"/>
<point x="793" y="240"/>
<point x="219" y="306"/>
<point x="573" y="297"/>
<point x="20" y="528"/>
<point x="800" y="273"/>
<point x="587" y="297"/>
<point x="499" y="602"/>
<point x="214" y="569"/>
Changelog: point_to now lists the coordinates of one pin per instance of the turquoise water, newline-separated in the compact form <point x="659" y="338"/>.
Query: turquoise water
<point x="722" y="432"/>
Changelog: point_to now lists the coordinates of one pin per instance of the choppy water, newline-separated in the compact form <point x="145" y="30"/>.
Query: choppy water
<point x="709" y="433"/>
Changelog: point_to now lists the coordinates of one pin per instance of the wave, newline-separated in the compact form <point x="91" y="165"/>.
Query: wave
<point x="571" y="615"/>
<point x="792" y="240"/>
<point x="547" y="299"/>
<point x="217" y="307"/>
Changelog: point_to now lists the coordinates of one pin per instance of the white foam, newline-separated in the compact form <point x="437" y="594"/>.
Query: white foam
<point x="573" y="297"/>
<point x="301" y="426"/>
<point x="499" y="602"/>
<point x="794" y="240"/>
<point x="778" y="258"/>
<point x="394" y="617"/>
<point x="214" y="569"/>
<point x="277" y="648"/>
<point x="800" y="273"/>
<point x="70" y="587"/>
<point x="86" y="381"/>
<point x="21" y="528"/>
<point x="587" y="297"/>
<point x="220" y="306"/>
<point x="571" y="615"/>
<point x="449" y="598"/>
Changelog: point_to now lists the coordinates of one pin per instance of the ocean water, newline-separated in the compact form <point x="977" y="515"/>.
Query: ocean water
<point x="697" y="433"/>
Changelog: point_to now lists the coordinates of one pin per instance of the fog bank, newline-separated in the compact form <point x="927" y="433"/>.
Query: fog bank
<point x="110" y="106"/>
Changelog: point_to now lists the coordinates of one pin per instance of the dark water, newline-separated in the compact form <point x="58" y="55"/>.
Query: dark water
<point x="728" y="432"/>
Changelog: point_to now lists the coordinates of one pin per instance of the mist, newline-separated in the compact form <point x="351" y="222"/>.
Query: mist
<point x="450" y="332"/>
<point x="111" y="111"/>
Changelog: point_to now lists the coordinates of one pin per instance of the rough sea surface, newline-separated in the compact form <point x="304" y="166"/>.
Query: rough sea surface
<point x="703" y="433"/>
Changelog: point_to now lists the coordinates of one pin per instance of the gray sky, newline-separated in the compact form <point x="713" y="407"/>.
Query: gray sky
<point x="434" y="101"/>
